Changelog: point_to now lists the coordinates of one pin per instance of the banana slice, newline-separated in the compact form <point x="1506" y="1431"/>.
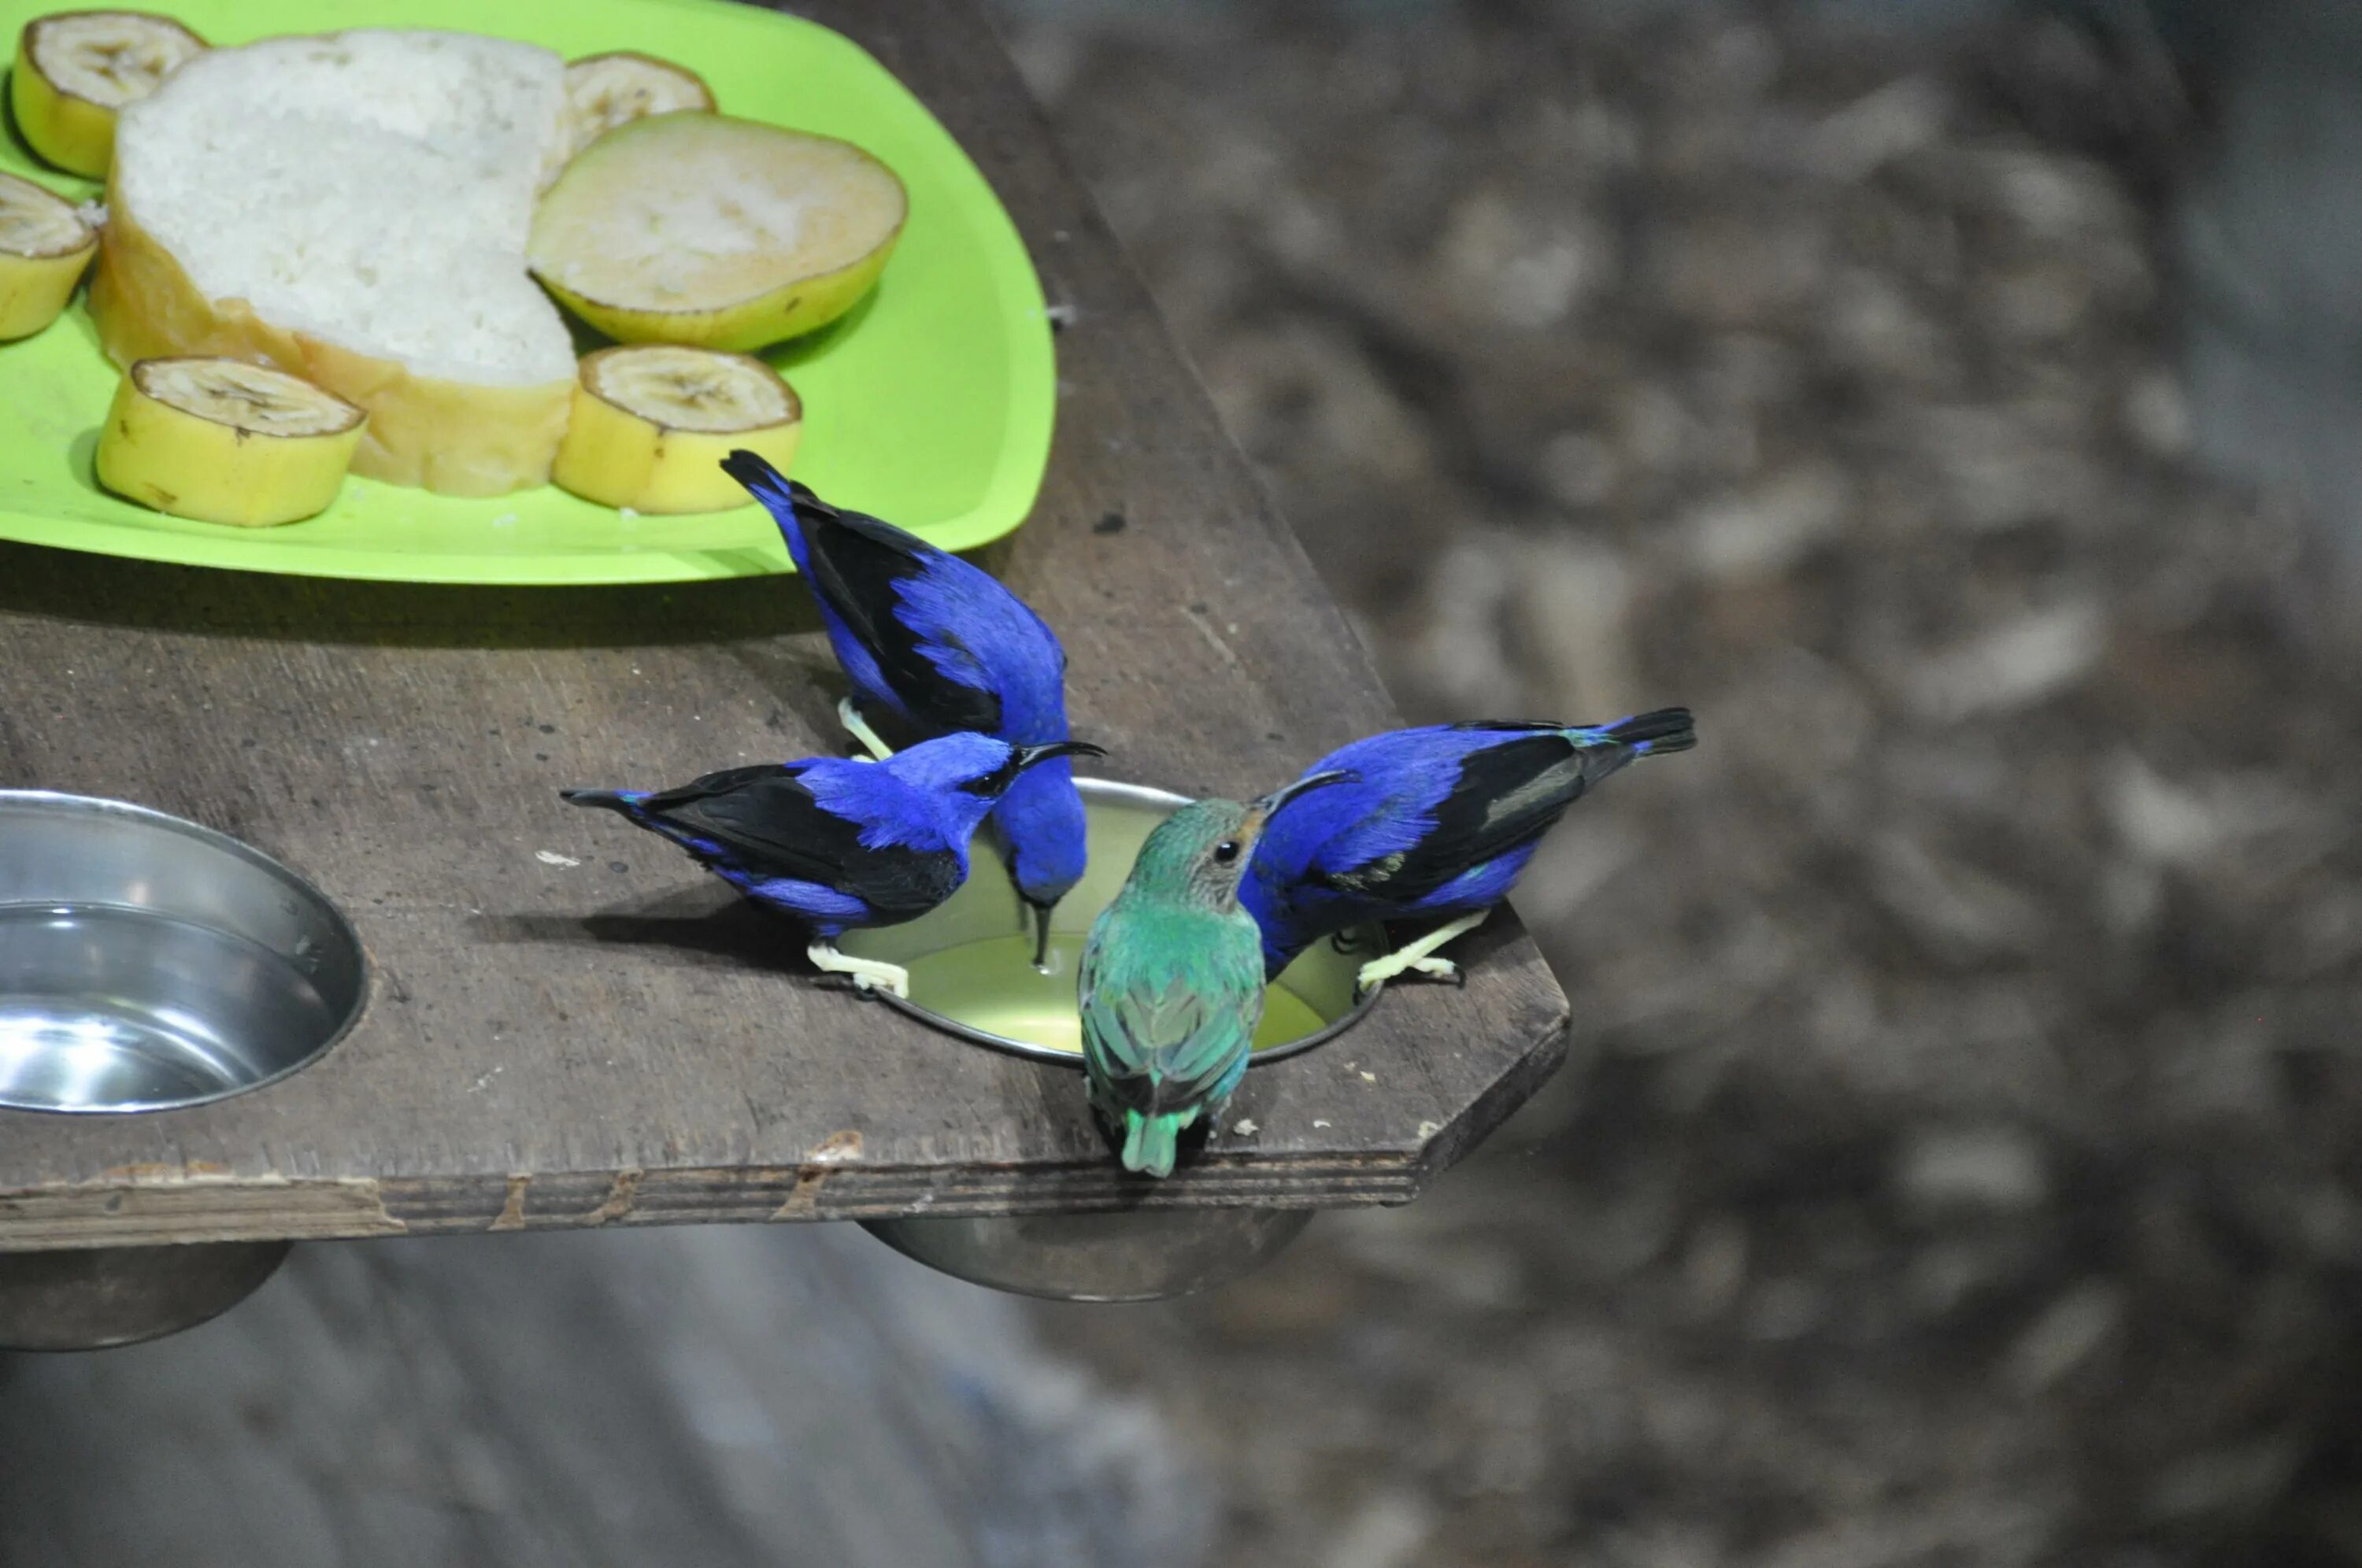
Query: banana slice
<point x="224" y="441"/>
<point x="44" y="247"/>
<point x="699" y="228"/>
<point x="602" y="90"/>
<point x="652" y="423"/>
<point x="76" y="67"/>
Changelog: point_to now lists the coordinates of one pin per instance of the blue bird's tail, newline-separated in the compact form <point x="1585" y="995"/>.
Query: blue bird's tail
<point x="622" y="800"/>
<point x="1653" y="733"/>
<point x="755" y="471"/>
<point x="780" y="495"/>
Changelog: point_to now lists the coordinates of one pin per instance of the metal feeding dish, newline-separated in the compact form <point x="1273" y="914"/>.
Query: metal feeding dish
<point x="146" y="963"/>
<point x="970" y="958"/>
<point x="100" y="1298"/>
<point x="972" y="976"/>
<point x="1144" y="1254"/>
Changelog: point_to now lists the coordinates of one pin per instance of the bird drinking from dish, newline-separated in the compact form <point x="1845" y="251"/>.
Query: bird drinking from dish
<point x="941" y="646"/>
<point x="1171" y="985"/>
<point x="840" y="844"/>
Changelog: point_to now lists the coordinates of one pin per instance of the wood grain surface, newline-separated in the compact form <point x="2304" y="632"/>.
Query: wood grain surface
<point x="620" y="1040"/>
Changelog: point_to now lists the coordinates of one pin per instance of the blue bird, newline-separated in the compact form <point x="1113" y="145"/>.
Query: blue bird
<point x="840" y="844"/>
<point x="940" y="644"/>
<point x="1439" y="824"/>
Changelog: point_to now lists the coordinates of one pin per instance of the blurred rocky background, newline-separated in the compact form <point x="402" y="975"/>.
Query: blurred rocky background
<point x="1955" y="1165"/>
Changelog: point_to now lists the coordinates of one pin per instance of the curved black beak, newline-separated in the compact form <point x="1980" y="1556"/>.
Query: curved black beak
<point x="1022" y="757"/>
<point x="1271" y="803"/>
<point x="1027" y="756"/>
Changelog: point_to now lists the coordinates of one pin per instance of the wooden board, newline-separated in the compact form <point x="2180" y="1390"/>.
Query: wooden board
<point x="619" y="1041"/>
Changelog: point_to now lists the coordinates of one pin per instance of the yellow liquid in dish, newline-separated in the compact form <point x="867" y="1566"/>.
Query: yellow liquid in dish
<point x="993" y="986"/>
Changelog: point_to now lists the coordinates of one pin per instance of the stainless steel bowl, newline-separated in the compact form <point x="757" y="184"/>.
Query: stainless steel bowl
<point x="969" y="957"/>
<point x="970" y="978"/>
<point x="146" y="963"/>
<point x="1136" y="1256"/>
<point x="99" y="1298"/>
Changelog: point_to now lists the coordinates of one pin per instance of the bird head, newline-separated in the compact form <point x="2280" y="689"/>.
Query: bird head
<point x="969" y="771"/>
<point x="1201" y="850"/>
<point x="1285" y="843"/>
<point x="1261" y="812"/>
<point x="1046" y="831"/>
<point x="1020" y="759"/>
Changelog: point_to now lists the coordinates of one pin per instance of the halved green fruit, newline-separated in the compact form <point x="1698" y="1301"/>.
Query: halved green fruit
<point x="701" y="229"/>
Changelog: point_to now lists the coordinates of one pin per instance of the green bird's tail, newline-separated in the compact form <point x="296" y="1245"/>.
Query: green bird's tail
<point x="1150" y="1140"/>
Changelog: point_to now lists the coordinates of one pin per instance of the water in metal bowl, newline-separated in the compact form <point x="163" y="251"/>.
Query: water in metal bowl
<point x="148" y="963"/>
<point x="971" y="957"/>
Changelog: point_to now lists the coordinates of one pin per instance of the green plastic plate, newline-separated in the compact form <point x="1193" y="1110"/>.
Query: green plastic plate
<point x="929" y="405"/>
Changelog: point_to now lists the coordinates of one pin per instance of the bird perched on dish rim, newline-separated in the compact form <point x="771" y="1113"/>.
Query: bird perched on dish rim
<point x="840" y="844"/>
<point x="1439" y="825"/>
<point x="1171" y="985"/>
<point x="943" y="646"/>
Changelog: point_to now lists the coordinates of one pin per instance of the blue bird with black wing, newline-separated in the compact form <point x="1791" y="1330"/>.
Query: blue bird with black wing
<point x="1438" y="825"/>
<point x="838" y="843"/>
<point x="941" y="646"/>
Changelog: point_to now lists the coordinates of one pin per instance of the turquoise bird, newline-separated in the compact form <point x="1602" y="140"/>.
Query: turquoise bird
<point x="1171" y="984"/>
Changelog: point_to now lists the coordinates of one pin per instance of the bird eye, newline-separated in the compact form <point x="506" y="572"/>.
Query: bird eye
<point x="1226" y="851"/>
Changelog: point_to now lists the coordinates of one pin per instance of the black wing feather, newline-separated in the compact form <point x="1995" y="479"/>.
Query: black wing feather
<point x="769" y="822"/>
<point x="1506" y="797"/>
<point x="857" y="565"/>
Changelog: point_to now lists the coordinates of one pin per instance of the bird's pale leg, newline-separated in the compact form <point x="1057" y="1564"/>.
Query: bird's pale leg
<point x="858" y="728"/>
<point x="1378" y="971"/>
<point x="868" y="973"/>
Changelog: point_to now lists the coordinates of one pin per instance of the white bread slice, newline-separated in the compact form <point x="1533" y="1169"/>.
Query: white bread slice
<point x="354" y="208"/>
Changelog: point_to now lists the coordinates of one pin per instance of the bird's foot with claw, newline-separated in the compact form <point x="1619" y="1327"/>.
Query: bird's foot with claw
<point x="868" y="974"/>
<point x="1378" y="971"/>
<point x="858" y="728"/>
<point x="1419" y="957"/>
